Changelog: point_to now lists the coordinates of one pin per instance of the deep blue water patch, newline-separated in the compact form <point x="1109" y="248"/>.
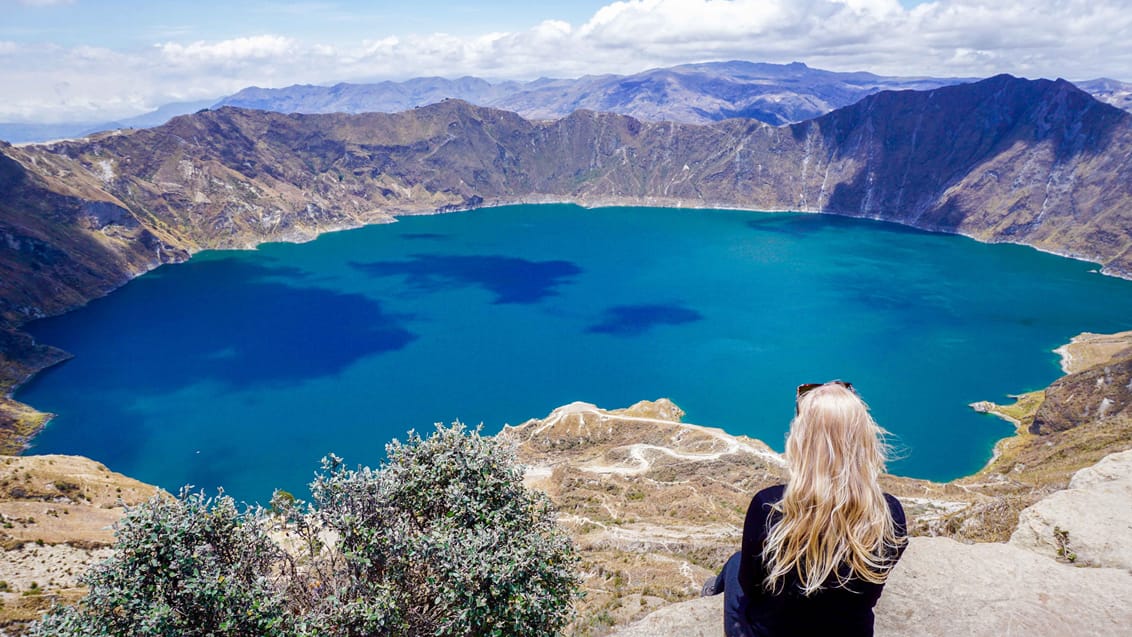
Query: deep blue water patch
<point x="510" y="279"/>
<point x="634" y="320"/>
<point x="242" y="369"/>
<point x="436" y="236"/>
<point x="237" y="323"/>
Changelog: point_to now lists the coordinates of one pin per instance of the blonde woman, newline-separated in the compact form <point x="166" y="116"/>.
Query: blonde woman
<point x="817" y="550"/>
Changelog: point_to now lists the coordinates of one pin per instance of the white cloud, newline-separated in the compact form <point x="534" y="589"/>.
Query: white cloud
<point x="255" y="48"/>
<point x="1078" y="39"/>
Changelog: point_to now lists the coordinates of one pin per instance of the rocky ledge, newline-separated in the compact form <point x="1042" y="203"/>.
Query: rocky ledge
<point x="1067" y="570"/>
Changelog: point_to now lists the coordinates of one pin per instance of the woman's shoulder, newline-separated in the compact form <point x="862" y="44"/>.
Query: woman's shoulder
<point x="769" y="495"/>
<point x="896" y="509"/>
<point x="761" y="510"/>
<point x="893" y="503"/>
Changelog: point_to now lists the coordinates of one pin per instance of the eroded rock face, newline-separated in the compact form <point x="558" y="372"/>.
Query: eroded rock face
<point x="1088" y="524"/>
<point x="1104" y="391"/>
<point x="944" y="588"/>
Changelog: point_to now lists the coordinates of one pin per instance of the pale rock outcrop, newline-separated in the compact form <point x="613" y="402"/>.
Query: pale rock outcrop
<point x="945" y="588"/>
<point x="701" y="617"/>
<point x="1089" y="523"/>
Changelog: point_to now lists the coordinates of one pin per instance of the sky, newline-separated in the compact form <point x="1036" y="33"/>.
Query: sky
<point x="98" y="60"/>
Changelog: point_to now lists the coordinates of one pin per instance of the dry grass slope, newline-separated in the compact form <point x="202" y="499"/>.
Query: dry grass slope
<point x="56" y="514"/>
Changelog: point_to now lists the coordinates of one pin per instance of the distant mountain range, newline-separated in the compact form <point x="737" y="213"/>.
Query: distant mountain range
<point x="692" y="93"/>
<point x="1112" y="92"/>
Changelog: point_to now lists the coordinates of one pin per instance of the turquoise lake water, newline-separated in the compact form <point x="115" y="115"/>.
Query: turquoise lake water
<point x="242" y="369"/>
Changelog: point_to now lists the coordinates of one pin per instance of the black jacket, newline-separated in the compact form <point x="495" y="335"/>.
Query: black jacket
<point x="833" y="610"/>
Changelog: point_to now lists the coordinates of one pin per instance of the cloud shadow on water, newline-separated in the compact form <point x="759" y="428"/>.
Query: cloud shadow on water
<point x="238" y="324"/>
<point x="634" y="320"/>
<point x="791" y="225"/>
<point x="510" y="279"/>
<point x="235" y="325"/>
<point x="794" y="224"/>
<point x="418" y="236"/>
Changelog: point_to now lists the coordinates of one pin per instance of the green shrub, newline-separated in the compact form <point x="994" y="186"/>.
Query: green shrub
<point x="186" y="566"/>
<point x="65" y="486"/>
<point x="442" y="540"/>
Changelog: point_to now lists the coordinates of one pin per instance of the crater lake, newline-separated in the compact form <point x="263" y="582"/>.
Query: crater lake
<point x="241" y="369"/>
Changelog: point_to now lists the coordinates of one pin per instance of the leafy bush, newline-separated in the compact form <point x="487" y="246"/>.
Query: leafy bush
<point x="442" y="540"/>
<point x="186" y="566"/>
<point x="447" y="541"/>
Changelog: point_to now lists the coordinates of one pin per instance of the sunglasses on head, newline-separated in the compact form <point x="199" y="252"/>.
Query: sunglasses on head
<point x="808" y="387"/>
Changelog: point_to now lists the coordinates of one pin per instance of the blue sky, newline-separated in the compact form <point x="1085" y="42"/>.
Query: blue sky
<point x="102" y="22"/>
<point x="69" y="60"/>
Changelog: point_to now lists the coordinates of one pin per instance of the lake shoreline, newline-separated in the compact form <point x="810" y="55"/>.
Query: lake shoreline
<point x="33" y="420"/>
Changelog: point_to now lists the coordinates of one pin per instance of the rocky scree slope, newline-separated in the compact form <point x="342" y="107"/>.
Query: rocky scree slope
<point x="56" y="517"/>
<point x="1004" y="159"/>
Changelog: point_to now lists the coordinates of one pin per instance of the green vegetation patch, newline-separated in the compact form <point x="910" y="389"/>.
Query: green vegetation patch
<point x="443" y="539"/>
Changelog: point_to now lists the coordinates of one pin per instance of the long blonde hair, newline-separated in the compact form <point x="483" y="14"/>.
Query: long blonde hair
<point x="833" y="510"/>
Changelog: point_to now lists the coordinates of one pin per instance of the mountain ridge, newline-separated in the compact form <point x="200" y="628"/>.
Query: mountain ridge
<point x="688" y="93"/>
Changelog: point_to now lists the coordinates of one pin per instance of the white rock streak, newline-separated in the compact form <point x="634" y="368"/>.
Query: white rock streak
<point x="638" y="461"/>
